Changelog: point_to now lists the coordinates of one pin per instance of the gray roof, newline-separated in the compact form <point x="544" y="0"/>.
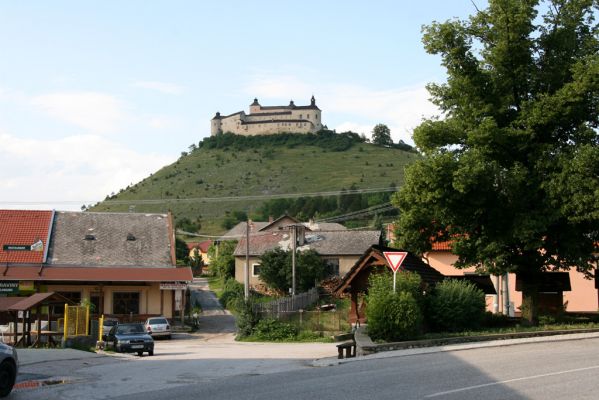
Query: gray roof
<point x="239" y="230"/>
<point x="111" y="239"/>
<point x="326" y="243"/>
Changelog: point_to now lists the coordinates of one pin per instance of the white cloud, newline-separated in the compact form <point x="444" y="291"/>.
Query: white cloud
<point x="353" y="107"/>
<point x="163" y="122"/>
<point x="93" y="111"/>
<point x="66" y="173"/>
<point x="162" y="87"/>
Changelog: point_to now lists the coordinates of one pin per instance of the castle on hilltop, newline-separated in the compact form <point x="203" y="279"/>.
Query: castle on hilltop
<point x="269" y="120"/>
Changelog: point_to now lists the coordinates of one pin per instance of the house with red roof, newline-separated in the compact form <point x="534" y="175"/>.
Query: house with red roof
<point x="200" y="249"/>
<point x="123" y="263"/>
<point x="567" y="289"/>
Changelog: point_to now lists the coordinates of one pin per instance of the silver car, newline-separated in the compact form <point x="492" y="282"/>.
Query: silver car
<point x="9" y="367"/>
<point x="158" y="327"/>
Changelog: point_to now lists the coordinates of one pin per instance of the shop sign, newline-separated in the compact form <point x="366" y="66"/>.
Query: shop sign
<point x="173" y="286"/>
<point x="16" y="247"/>
<point x="8" y="287"/>
<point x="25" y="286"/>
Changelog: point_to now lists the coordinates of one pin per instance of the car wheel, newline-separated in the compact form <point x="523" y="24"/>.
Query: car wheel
<point x="151" y="352"/>
<point x="140" y="353"/>
<point x="114" y="346"/>
<point x="8" y="374"/>
<point x="169" y="337"/>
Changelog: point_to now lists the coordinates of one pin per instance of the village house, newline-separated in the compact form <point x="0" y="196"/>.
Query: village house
<point x="200" y="249"/>
<point x="122" y="263"/>
<point x="267" y="120"/>
<point x="339" y="248"/>
<point x="567" y="289"/>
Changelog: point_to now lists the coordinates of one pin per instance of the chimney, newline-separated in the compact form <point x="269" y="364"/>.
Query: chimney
<point x="270" y="219"/>
<point x="301" y="235"/>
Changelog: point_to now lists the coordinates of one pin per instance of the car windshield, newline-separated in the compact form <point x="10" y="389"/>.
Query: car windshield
<point x="130" y="329"/>
<point x="110" y="322"/>
<point x="156" y="321"/>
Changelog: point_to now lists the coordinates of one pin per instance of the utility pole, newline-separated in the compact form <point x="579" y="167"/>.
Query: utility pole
<point x="246" y="271"/>
<point x="293" y="247"/>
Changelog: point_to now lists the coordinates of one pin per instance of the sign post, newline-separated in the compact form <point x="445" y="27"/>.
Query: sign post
<point x="395" y="259"/>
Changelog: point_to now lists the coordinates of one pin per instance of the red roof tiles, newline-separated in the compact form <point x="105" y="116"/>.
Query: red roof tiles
<point x="23" y="227"/>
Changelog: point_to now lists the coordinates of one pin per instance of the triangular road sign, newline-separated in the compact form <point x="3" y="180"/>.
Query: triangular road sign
<point x="395" y="258"/>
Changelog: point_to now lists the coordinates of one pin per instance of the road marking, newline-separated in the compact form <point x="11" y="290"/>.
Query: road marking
<point x="569" y="371"/>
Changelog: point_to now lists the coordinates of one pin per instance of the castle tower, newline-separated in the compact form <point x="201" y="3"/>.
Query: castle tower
<point x="216" y="125"/>
<point x="255" y="106"/>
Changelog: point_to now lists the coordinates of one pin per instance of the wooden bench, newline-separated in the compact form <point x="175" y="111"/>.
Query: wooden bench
<point x="349" y="347"/>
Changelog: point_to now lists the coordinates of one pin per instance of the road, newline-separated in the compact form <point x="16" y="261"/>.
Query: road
<point x="211" y="365"/>
<point x="562" y="370"/>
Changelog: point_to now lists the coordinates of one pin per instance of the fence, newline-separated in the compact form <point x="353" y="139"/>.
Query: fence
<point x="76" y="320"/>
<point x="288" y="304"/>
<point x="318" y="321"/>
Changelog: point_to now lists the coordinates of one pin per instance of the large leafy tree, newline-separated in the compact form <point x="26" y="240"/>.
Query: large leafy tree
<point x="275" y="269"/>
<point x="510" y="173"/>
<point x="381" y="135"/>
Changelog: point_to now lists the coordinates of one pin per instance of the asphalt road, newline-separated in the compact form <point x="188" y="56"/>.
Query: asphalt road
<point x="561" y="370"/>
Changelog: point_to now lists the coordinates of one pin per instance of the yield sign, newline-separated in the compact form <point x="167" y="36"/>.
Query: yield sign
<point x="395" y="258"/>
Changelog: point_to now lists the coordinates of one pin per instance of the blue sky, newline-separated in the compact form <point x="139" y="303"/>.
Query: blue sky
<point x="97" y="95"/>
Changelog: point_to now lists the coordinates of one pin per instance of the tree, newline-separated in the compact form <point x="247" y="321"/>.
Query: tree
<point x="381" y="135"/>
<point x="275" y="269"/>
<point x="222" y="260"/>
<point x="181" y="251"/>
<point x="510" y="175"/>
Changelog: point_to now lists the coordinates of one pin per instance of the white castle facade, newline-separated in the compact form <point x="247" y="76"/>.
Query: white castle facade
<point x="269" y="120"/>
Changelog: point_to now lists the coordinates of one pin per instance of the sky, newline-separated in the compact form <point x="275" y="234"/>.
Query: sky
<point x="96" y="95"/>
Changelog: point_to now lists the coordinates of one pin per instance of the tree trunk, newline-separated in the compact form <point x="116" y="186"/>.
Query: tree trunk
<point x="530" y="301"/>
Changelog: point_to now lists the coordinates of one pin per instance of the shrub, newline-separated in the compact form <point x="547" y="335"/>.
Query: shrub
<point x="247" y="319"/>
<point x="274" y="330"/>
<point x="393" y="316"/>
<point x="456" y="305"/>
<point x="232" y="292"/>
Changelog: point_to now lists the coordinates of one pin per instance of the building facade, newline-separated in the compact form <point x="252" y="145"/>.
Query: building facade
<point x="269" y="120"/>
<point x="122" y="263"/>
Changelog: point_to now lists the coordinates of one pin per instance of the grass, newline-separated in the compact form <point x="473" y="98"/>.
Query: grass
<point x="302" y="337"/>
<point x="216" y="173"/>
<point x="216" y="284"/>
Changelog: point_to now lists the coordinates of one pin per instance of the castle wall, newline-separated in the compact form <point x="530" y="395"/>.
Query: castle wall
<point x="270" y="120"/>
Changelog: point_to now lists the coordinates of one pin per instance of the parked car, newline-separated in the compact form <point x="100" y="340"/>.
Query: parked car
<point x="158" y="327"/>
<point x="131" y="338"/>
<point x="9" y="367"/>
<point x="107" y="326"/>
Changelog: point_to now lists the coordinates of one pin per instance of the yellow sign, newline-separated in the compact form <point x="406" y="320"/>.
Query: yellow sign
<point x="25" y="286"/>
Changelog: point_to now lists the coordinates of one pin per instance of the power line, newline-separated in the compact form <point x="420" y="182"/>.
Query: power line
<point x="213" y="199"/>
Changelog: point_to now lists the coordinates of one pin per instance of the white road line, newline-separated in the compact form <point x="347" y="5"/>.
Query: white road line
<point x="524" y="378"/>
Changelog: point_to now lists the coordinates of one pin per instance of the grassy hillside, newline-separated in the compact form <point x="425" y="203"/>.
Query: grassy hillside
<point x="208" y="173"/>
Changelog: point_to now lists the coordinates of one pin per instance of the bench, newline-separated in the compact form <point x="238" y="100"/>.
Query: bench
<point x="349" y="347"/>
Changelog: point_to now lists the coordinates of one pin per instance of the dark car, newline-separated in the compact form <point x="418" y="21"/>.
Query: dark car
<point x="9" y="366"/>
<point x="131" y="338"/>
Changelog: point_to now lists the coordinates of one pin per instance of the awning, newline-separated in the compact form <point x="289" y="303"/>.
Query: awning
<point x="96" y="274"/>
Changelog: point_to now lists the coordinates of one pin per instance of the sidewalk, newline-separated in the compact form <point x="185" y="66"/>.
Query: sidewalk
<point x="36" y="356"/>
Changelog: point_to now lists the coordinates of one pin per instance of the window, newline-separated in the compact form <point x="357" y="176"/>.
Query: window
<point x="332" y="266"/>
<point x="255" y="269"/>
<point x="125" y="303"/>
<point x="75" y="297"/>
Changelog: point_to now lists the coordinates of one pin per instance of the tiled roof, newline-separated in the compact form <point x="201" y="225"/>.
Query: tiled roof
<point x="374" y="256"/>
<point x="329" y="243"/>
<point x="111" y="239"/>
<point x="203" y="246"/>
<point x="238" y="230"/>
<point x="23" y="227"/>
<point x="96" y="274"/>
<point x="441" y="246"/>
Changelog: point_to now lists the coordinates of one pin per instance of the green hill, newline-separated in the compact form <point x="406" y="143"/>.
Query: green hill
<point x="203" y="185"/>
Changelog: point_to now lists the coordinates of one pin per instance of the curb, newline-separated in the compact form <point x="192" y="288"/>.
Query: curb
<point x="328" y="362"/>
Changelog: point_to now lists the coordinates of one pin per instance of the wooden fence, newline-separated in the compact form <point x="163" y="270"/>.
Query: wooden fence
<point x="287" y="304"/>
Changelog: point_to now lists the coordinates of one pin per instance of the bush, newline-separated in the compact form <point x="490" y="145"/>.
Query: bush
<point x="456" y="305"/>
<point x="233" y="291"/>
<point x="247" y="319"/>
<point x="274" y="330"/>
<point x="393" y="316"/>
